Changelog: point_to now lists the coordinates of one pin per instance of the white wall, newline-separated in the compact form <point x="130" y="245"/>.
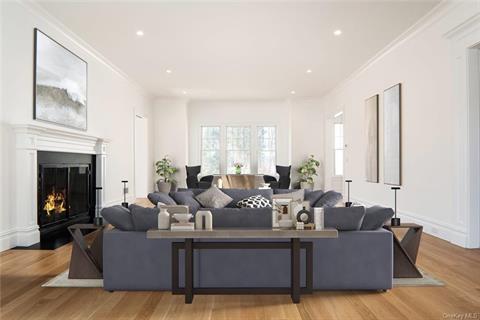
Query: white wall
<point x="171" y="134"/>
<point x="423" y="63"/>
<point x="112" y="103"/>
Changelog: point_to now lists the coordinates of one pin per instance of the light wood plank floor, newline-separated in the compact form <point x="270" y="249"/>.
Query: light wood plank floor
<point x="23" y="271"/>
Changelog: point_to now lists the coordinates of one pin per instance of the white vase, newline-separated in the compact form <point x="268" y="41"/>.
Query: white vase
<point x="199" y="220"/>
<point x="163" y="219"/>
<point x="319" y="218"/>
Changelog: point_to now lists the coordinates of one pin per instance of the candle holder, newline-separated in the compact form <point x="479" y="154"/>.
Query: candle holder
<point x="98" y="221"/>
<point x="125" y="191"/>
<point x="348" y="203"/>
<point x="395" y="221"/>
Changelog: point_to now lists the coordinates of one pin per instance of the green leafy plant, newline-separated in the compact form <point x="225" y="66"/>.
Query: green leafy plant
<point x="165" y="169"/>
<point x="308" y="169"/>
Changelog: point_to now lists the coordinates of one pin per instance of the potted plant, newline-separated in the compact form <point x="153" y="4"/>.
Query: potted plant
<point x="165" y="170"/>
<point x="307" y="171"/>
<point x="238" y="167"/>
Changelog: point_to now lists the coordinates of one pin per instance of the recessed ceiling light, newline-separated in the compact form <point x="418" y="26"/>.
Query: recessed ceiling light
<point x="140" y="33"/>
<point x="184" y="92"/>
<point x="309" y="71"/>
<point x="337" y="32"/>
<point x="292" y="92"/>
<point x="168" y="71"/>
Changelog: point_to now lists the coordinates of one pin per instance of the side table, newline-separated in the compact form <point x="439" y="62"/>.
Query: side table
<point x="86" y="261"/>
<point x="405" y="251"/>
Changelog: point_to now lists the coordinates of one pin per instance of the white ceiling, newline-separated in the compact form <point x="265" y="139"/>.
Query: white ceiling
<point x="241" y="50"/>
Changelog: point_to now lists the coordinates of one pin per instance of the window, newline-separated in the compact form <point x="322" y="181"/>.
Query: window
<point x="210" y="150"/>
<point x="238" y="148"/>
<point x="266" y="150"/>
<point x="338" y="148"/>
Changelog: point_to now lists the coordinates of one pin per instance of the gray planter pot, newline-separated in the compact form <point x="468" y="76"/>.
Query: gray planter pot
<point x="164" y="187"/>
<point x="306" y="185"/>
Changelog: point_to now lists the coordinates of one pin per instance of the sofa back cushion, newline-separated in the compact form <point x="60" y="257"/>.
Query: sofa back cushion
<point x="144" y="218"/>
<point x="186" y="198"/>
<point x="239" y="194"/>
<point x="344" y="219"/>
<point x="295" y="195"/>
<point x="329" y="199"/>
<point x="242" y="218"/>
<point x="375" y="217"/>
<point x="156" y="197"/>
<point x="119" y="217"/>
<point x="312" y="196"/>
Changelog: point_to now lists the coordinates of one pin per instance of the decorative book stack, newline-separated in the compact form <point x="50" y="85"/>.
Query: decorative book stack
<point x="182" y="226"/>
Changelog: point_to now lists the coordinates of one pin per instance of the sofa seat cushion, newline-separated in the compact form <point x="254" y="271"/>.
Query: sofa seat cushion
<point x="144" y="218"/>
<point x="119" y="217"/>
<point x="156" y="197"/>
<point x="344" y="219"/>
<point x="213" y="198"/>
<point x="242" y="218"/>
<point x="328" y="199"/>
<point x="257" y="201"/>
<point x="186" y="198"/>
<point x="375" y="217"/>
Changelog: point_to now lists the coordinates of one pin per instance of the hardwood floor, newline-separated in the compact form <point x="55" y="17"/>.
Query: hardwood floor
<point x="23" y="271"/>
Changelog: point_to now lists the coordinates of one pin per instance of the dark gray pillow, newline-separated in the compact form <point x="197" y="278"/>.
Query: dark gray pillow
<point x="119" y="217"/>
<point x="156" y="197"/>
<point x="144" y="218"/>
<point x="186" y="198"/>
<point x="313" y="196"/>
<point x="328" y="199"/>
<point x="375" y="217"/>
<point x="344" y="219"/>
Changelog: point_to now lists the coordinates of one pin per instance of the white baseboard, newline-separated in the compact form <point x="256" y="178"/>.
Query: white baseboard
<point x="24" y="237"/>
<point x="442" y="230"/>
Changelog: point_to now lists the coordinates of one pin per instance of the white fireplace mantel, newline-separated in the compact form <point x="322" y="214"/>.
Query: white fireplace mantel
<point x="32" y="138"/>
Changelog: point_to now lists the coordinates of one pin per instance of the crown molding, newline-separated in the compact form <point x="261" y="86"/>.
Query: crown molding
<point x="66" y="32"/>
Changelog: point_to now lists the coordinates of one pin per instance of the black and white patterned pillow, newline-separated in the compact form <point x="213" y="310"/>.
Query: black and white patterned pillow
<point x="254" y="202"/>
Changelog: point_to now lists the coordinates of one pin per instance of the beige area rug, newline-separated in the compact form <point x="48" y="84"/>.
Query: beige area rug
<point x="426" y="281"/>
<point x="62" y="281"/>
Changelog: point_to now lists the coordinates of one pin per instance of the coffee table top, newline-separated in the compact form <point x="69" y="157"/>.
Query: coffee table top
<point x="241" y="234"/>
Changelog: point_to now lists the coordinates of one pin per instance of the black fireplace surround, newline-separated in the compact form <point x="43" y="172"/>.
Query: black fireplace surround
<point x="66" y="191"/>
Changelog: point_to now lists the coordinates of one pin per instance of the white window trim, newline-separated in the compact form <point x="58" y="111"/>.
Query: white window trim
<point x="201" y="145"/>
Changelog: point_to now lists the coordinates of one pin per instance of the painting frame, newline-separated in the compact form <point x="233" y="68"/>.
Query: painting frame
<point x="372" y="141"/>
<point x="36" y="115"/>
<point x="392" y="135"/>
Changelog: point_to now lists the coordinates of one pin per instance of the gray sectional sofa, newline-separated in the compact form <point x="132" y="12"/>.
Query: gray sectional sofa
<point x="359" y="259"/>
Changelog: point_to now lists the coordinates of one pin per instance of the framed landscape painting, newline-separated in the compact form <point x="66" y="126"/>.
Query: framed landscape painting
<point x="371" y="153"/>
<point x="392" y="135"/>
<point x="60" y="88"/>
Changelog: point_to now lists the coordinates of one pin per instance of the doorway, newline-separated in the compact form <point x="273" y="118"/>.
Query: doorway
<point x="141" y="157"/>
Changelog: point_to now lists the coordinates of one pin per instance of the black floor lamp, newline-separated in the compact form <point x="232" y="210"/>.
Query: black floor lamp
<point x="125" y="191"/>
<point x="348" y="203"/>
<point x="395" y="221"/>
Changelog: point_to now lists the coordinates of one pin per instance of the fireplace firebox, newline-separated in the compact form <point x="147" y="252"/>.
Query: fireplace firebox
<point x="66" y="192"/>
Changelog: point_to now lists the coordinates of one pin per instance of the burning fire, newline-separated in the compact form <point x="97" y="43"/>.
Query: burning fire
<point x="55" y="202"/>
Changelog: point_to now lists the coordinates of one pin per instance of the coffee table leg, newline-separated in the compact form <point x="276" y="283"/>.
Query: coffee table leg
<point x="295" y="277"/>
<point x="188" y="270"/>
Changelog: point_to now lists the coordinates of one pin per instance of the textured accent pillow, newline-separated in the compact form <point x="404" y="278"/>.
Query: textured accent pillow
<point x="213" y="198"/>
<point x="119" y="217"/>
<point x="144" y="218"/>
<point x="298" y="195"/>
<point x="313" y="196"/>
<point x="156" y="197"/>
<point x="254" y="202"/>
<point x="375" y="217"/>
<point x="186" y="198"/>
<point x="328" y="199"/>
<point x="344" y="219"/>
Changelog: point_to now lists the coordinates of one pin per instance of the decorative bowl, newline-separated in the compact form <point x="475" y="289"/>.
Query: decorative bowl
<point x="182" y="217"/>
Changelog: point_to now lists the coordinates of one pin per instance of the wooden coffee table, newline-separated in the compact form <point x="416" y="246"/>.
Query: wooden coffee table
<point x="294" y="245"/>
